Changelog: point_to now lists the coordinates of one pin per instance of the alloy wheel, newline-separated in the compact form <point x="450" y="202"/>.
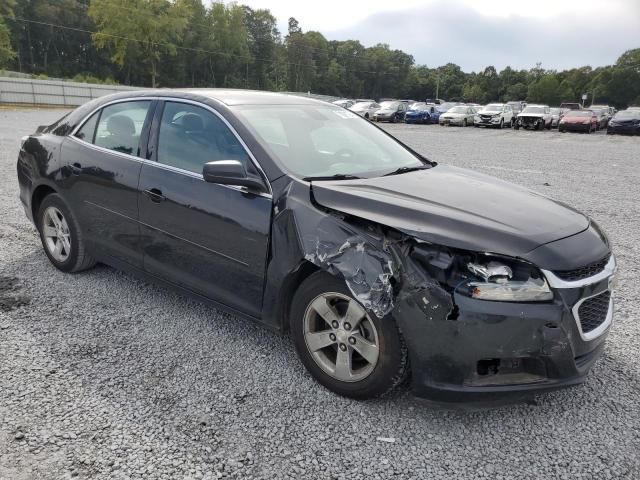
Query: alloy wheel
<point x="55" y="231"/>
<point x="341" y="338"/>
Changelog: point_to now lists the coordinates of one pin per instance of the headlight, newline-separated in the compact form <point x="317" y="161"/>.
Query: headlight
<point x="505" y="281"/>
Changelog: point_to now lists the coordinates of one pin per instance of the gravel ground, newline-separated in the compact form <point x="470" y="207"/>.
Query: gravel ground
<point x="104" y="376"/>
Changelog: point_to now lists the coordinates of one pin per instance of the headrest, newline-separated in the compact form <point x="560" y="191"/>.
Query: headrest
<point x="120" y="125"/>
<point x="191" y="122"/>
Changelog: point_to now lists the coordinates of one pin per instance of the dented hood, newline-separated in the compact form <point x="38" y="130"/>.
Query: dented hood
<point x="457" y="208"/>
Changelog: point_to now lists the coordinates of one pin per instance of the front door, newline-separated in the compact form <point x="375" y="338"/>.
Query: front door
<point x="209" y="238"/>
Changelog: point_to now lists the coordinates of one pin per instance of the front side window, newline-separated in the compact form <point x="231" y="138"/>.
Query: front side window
<point x="120" y="126"/>
<point x="191" y="136"/>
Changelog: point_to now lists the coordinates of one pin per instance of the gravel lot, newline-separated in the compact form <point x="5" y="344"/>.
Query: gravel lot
<point x="104" y="376"/>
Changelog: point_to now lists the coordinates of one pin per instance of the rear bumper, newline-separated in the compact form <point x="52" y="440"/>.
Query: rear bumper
<point x="500" y="350"/>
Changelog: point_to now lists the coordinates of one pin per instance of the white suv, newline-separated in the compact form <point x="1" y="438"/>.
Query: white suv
<point x="495" y="115"/>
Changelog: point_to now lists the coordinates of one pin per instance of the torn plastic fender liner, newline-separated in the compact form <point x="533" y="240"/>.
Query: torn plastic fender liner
<point x="367" y="269"/>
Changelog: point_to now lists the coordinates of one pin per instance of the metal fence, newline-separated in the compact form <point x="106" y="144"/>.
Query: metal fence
<point x="52" y="92"/>
<point x="63" y="93"/>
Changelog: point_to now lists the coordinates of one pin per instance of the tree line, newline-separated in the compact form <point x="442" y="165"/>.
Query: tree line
<point x="183" y="43"/>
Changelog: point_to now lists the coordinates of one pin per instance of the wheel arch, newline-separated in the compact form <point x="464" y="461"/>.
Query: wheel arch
<point x="38" y="195"/>
<point x="289" y="288"/>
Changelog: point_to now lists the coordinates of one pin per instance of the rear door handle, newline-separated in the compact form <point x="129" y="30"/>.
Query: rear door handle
<point x="155" y="194"/>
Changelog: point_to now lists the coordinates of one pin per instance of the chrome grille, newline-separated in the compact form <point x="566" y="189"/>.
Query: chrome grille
<point x="593" y="311"/>
<point x="583" y="272"/>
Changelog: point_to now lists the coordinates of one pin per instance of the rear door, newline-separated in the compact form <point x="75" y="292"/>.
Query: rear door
<point x="104" y="160"/>
<point x="207" y="237"/>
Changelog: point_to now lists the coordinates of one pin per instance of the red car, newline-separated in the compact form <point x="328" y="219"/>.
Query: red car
<point x="579" y="121"/>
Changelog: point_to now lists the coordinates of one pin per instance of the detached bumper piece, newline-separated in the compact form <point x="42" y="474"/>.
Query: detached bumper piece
<point x="486" y="350"/>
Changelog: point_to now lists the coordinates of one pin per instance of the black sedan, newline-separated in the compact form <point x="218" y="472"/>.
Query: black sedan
<point x="625" y="121"/>
<point x="301" y="215"/>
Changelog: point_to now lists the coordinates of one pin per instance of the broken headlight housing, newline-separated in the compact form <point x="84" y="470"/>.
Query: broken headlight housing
<point x="505" y="281"/>
<point x="482" y="276"/>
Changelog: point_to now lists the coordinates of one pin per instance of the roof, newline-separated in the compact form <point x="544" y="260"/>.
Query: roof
<point x="232" y="97"/>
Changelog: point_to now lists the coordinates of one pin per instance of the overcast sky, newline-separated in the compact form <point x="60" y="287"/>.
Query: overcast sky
<point x="476" y="33"/>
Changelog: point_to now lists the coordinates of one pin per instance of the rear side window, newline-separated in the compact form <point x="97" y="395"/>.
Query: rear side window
<point x="88" y="129"/>
<point x="191" y="136"/>
<point x="120" y="126"/>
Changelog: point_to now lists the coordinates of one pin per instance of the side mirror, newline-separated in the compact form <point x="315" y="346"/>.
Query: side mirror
<point x="230" y="172"/>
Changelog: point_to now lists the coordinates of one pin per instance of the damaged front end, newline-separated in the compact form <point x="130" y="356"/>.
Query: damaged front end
<point x="475" y="324"/>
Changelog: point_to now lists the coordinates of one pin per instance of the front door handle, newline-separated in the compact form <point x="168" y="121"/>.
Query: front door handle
<point x="155" y="194"/>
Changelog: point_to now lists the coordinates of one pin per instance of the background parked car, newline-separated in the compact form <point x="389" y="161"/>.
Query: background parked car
<point x="365" y="109"/>
<point x="534" y="116"/>
<point x="344" y="103"/>
<point x="625" y="121"/>
<point x="517" y="107"/>
<point x="603" y="115"/>
<point x="421" y="112"/>
<point x="461" y="115"/>
<point x="446" y="106"/>
<point x="494" y="115"/>
<point x="391" y="111"/>
<point x="578" y="121"/>
<point x="565" y="107"/>
<point x="555" y="117"/>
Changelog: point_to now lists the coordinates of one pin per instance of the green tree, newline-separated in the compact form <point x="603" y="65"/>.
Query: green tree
<point x="263" y="37"/>
<point x="544" y="90"/>
<point x="139" y="32"/>
<point x="6" y="52"/>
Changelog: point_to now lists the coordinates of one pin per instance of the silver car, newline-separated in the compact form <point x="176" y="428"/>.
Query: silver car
<point x="365" y="109"/>
<point x="461" y="115"/>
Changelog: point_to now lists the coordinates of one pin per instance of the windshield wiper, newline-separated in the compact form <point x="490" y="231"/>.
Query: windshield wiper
<point x="407" y="169"/>
<point x="337" y="176"/>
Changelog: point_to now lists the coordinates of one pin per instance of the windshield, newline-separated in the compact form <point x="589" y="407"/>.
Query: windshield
<point x="579" y="113"/>
<point x="322" y="141"/>
<point x="419" y="107"/>
<point x="493" y="107"/>
<point x="458" y="110"/>
<point x="361" y="106"/>
<point x="626" y="114"/>
<point x="389" y="105"/>
<point x="533" y="110"/>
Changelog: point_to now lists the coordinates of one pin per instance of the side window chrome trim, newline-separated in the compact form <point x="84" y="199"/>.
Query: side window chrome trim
<point x="179" y="170"/>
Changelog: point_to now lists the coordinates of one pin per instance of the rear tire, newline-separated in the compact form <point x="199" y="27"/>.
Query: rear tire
<point x="330" y="348"/>
<point x="61" y="236"/>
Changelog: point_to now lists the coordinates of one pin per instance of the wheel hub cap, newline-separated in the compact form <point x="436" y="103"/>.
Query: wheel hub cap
<point x="347" y="354"/>
<point x="57" y="238"/>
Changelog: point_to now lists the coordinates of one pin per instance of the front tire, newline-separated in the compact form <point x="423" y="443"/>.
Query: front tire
<point x="345" y="348"/>
<point x="61" y="236"/>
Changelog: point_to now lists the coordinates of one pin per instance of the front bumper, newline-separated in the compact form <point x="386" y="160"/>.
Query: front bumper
<point x="416" y="119"/>
<point x="487" y="350"/>
<point x="624" y="129"/>
<point x="574" y="127"/>
<point x="451" y="121"/>
<point x="383" y="118"/>
<point x="487" y="122"/>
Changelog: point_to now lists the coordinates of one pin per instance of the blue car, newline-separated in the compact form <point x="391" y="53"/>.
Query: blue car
<point x="422" y="113"/>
